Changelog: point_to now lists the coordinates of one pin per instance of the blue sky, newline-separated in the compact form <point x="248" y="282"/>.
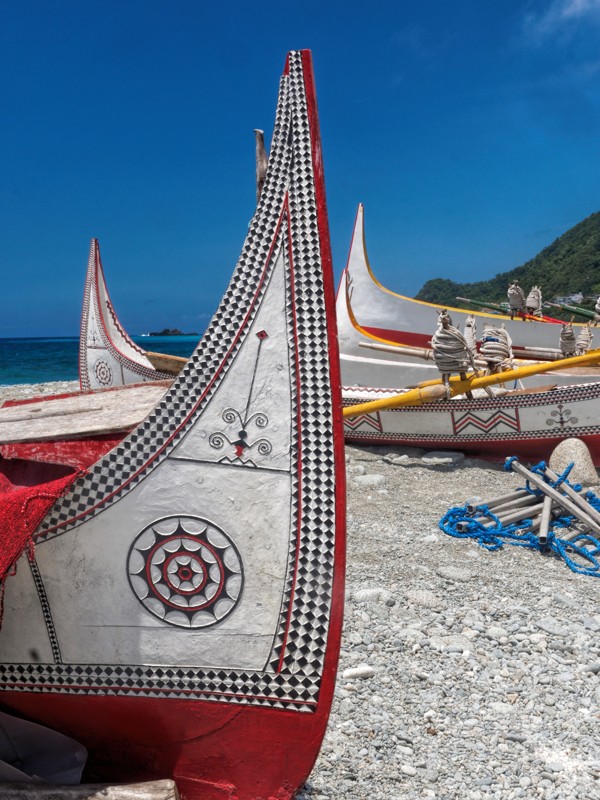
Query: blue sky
<point x="469" y="129"/>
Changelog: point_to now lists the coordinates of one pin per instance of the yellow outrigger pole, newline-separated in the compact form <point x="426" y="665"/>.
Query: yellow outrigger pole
<point x="436" y="391"/>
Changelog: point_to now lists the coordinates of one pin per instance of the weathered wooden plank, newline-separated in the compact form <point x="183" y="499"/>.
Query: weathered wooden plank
<point x="166" y="363"/>
<point x="154" y="790"/>
<point x="80" y="415"/>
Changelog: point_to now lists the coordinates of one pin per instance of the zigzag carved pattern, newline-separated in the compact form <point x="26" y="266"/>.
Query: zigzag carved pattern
<point x="370" y="420"/>
<point x="460" y="422"/>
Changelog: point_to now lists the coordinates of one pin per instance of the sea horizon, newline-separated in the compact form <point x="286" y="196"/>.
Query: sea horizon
<point x="40" y="359"/>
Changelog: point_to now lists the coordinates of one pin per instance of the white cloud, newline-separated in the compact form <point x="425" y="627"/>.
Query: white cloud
<point x="560" y="18"/>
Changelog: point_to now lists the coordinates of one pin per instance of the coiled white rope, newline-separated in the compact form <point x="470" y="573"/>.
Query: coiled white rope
<point x="584" y="340"/>
<point x="516" y="297"/>
<point x="471" y="334"/>
<point x="496" y="349"/>
<point x="568" y="344"/>
<point x="451" y="352"/>
<point x="534" y="301"/>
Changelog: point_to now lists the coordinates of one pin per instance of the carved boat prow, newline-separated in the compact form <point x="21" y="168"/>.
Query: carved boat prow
<point x="368" y="312"/>
<point x="108" y="356"/>
<point x="181" y="614"/>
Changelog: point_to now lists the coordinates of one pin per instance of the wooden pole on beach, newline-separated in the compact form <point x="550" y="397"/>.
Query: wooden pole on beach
<point x="154" y="790"/>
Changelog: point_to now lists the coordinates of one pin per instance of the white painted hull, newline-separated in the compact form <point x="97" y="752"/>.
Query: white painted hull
<point x="525" y="425"/>
<point x="107" y="354"/>
<point x="374" y="314"/>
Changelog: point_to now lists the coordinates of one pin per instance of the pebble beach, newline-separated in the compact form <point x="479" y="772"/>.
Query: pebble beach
<point x="463" y="673"/>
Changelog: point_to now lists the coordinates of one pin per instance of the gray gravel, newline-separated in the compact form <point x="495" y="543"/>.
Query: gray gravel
<point x="463" y="673"/>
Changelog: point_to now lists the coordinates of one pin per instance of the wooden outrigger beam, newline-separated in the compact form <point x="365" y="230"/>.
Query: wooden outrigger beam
<point x="165" y="362"/>
<point x="426" y="353"/>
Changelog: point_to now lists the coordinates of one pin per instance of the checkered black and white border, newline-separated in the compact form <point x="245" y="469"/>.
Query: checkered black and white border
<point x="285" y="221"/>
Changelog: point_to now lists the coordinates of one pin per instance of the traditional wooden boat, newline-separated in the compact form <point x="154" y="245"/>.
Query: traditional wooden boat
<point x="528" y="424"/>
<point x="368" y="313"/>
<point x="179" y="610"/>
<point x="108" y="356"/>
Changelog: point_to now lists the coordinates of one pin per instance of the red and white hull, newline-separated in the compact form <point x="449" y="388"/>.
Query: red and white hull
<point x="368" y="312"/>
<point x="107" y="354"/>
<point x="181" y="615"/>
<point x="525" y="425"/>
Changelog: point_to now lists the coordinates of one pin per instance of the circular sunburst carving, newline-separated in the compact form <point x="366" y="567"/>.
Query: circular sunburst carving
<point x="186" y="571"/>
<point x="103" y="373"/>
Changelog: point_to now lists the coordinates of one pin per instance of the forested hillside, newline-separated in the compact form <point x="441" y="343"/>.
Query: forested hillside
<point x="570" y="264"/>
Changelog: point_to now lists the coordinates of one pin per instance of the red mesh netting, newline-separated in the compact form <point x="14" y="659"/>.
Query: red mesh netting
<point x="22" y="508"/>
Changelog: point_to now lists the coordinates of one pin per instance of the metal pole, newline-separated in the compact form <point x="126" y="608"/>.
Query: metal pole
<point x="575" y="496"/>
<point x="563" y="501"/>
<point x="497" y="501"/>
<point x="545" y="520"/>
<point x="516" y="516"/>
<point x="512" y="505"/>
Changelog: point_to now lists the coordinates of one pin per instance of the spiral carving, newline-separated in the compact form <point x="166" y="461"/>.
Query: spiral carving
<point x="260" y="419"/>
<point x="218" y="440"/>
<point x="230" y="415"/>
<point x="263" y="446"/>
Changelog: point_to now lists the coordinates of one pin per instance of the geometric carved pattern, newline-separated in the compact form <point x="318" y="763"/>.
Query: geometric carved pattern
<point x="368" y="420"/>
<point x="285" y="690"/>
<point x="46" y="611"/>
<point x="478" y="421"/>
<point x="103" y="373"/>
<point x="185" y="571"/>
<point x="286" y="226"/>
<point x="471" y="421"/>
<point x="552" y="397"/>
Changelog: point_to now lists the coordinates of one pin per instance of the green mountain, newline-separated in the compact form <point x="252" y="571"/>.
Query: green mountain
<point x="570" y="264"/>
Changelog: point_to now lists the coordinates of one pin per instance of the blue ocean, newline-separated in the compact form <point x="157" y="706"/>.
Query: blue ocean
<point x="41" y="360"/>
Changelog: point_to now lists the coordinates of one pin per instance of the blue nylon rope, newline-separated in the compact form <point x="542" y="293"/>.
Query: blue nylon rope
<point x="585" y="560"/>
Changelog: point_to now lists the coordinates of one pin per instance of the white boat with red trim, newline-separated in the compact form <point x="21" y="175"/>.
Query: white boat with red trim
<point x="525" y="423"/>
<point x="368" y="313"/>
<point x="108" y="356"/>
<point x="178" y="606"/>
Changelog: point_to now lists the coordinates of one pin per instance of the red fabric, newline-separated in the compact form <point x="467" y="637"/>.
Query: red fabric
<point x="22" y="508"/>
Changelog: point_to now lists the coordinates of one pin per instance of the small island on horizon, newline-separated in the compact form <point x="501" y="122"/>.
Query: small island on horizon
<point x="172" y="332"/>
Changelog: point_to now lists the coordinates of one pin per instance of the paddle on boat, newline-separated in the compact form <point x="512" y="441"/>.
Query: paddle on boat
<point x="178" y="608"/>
